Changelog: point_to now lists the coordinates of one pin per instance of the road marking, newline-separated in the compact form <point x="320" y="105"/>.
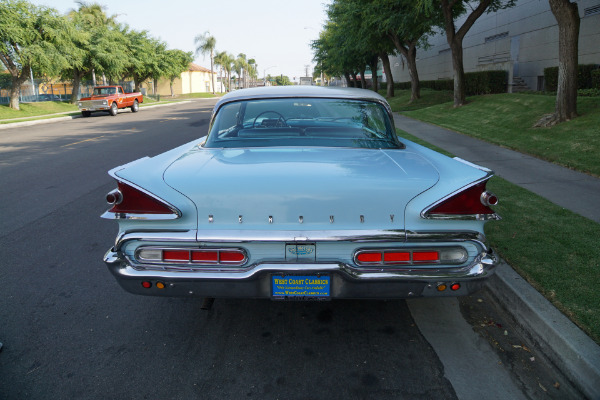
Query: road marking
<point x="81" y="141"/>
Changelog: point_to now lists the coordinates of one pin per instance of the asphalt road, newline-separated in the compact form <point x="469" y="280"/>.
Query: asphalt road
<point x="70" y="332"/>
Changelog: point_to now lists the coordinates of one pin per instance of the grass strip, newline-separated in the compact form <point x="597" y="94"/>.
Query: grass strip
<point x="554" y="249"/>
<point x="36" y="109"/>
<point x="507" y="120"/>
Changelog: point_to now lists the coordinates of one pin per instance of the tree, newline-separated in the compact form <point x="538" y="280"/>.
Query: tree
<point x="282" y="80"/>
<point x="225" y="60"/>
<point x="452" y="9"/>
<point x="99" y="46"/>
<point x="567" y="16"/>
<point x="205" y="44"/>
<point x="146" y="57"/>
<point x="32" y="39"/>
<point x="177" y="61"/>
<point x="407" y="27"/>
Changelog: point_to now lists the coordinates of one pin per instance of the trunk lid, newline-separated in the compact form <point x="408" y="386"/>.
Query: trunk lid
<point x="300" y="189"/>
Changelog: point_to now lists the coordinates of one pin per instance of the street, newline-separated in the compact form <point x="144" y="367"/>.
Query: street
<point x="70" y="332"/>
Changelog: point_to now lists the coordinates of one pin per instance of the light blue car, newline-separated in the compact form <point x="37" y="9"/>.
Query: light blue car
<point x="301" y="193"/>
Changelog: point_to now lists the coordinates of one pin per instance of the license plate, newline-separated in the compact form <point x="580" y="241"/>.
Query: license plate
<point x="298" y="287"/>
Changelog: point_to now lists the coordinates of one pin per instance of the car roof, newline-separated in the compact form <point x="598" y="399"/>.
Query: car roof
<point x="271" y="92"/>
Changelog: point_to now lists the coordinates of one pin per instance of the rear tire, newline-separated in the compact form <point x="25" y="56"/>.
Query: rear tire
<point x="136" y="106"/>
<point x="114" y="109"/>
<point x="86" y="114"/>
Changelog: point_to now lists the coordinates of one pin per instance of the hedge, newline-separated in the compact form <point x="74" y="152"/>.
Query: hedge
<point x="482" y="82"/>
<point x="585" y="77"/>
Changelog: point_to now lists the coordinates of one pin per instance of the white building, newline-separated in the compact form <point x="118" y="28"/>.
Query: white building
<point x="522" y="40"/>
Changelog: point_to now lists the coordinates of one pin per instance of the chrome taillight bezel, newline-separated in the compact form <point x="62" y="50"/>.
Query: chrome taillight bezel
<point x="141" y="258"/>
<point x="411" y="262"/>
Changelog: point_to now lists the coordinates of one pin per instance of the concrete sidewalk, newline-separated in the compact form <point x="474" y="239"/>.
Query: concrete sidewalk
<point x="567" y="347"/>
<point x="569" y="189"/>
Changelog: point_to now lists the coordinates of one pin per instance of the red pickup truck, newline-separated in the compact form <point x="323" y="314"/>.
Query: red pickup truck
<point x="109" y="98"/>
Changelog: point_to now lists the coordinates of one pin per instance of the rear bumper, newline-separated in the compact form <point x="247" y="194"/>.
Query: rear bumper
<point x="346" y="281"/>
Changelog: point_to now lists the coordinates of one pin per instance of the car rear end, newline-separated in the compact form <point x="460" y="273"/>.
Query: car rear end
<point x="300" y="222"/>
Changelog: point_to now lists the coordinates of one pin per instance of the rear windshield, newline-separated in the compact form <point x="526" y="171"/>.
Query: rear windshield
<point x="302" y="122"/>
<point x="105" y="90"/>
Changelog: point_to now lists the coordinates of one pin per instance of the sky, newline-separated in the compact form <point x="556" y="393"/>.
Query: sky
<point x="276" y="33"/>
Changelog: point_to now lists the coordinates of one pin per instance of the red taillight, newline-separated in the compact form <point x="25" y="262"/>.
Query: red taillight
<point x="231" y="256"/>
<point x="369" y="257"/>
<point x="134" y="201"/>
<point x="392" y="257"/>
<point x="471" y="201"/>
<point x="425" y="256"/>
<point x="205" y="256"/>
<point x="176" y="255"/>
<point x="453" y="255"/>
<point x="190" y="256"/>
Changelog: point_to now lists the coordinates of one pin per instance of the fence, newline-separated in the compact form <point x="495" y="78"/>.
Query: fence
<point x="43" y="90"/>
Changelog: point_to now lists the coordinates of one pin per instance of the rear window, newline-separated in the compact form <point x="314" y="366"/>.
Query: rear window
<point x="302" y="122"/>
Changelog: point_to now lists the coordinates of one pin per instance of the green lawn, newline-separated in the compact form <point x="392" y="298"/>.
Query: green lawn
<point x="553" y="248"/>
<point x="35" y="109"/>
<point x="507" y="120"/>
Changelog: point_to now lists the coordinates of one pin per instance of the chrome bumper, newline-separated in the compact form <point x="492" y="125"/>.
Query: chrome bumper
<point x="346" y="281"/>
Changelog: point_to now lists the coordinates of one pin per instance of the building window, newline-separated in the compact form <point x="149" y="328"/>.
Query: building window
<point x="592" y="10"/>
<point x="496" y="37"/>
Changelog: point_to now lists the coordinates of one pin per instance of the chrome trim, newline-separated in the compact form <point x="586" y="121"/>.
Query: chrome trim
<point x="210" y="219"/>
<point x="485" y="199"/>
<point x="244" y="236"/>
<point x="482" y="266"/>
<point x="477" y="217"/>
<point x="187" y="265"/>
<point x="155" y="236"/>
<point x="392" y="218"/>
<point x="141" y="217"/>
<point x="270" y="219"/>
<point x="117" y="195"/>
<point x="442" y="236"/>
<point x="362" y="219"/>
<point x="331" y="219"/>
<point x="301" y="219"/>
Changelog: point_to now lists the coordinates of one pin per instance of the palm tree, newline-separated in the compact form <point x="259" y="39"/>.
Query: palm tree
<point x="205" y="44"/>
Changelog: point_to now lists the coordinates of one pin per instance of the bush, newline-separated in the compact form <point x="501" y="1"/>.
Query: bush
<point x="585" y="77"/>
<point x="483" y="82"/>
<point x="588" y="92"/>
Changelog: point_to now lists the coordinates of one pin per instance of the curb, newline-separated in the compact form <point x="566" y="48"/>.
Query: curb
<point x="67" y="118"/>
<point x="565" y="345"/>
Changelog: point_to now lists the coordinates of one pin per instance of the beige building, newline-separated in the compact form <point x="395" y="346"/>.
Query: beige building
<point x="195" y="80"/>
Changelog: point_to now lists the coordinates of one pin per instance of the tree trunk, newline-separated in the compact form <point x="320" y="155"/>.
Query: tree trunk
<point x="567" y="16"/>
<point x="455" y="40"/>
<point x="211" y="72"/>
<point x="171" y="87"/>
<point x="363" y="81"/>
<point x="409" y="51"/>
<point x="76" y="86"/>
<point x="385" y="60"/>
<point x="459" y="74"/>
<point x="348" y="80"/>
<point x="355" y="79"/>
<point x="93" y="77"/>
<point x="15" y="89"/>
<point x="373" y="66"/>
